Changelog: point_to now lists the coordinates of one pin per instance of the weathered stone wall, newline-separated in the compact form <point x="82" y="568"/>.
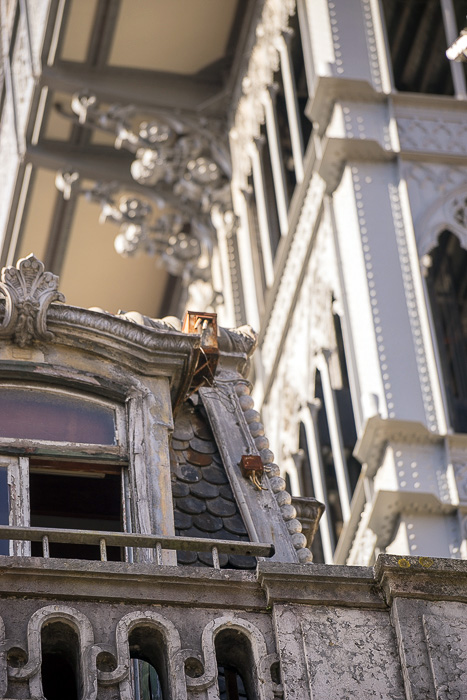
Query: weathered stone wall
<point x="396" y="631"/>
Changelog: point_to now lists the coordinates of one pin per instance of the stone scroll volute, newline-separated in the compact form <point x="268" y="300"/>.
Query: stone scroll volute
<point x="28" y="291"/>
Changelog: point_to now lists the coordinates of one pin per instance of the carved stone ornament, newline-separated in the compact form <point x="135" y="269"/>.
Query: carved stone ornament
<point x="28" y="292"/>
<point x="263" y="63"/>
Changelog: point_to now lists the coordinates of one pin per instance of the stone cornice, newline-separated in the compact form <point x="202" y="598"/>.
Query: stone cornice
<point x="421" y="577"/>
<point x="134" y="584"/>
<point x="319" y="584"/>
<point x="148" y="351"/>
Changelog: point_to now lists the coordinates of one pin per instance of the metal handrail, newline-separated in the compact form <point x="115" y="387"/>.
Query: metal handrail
<point x="103" y="539"/>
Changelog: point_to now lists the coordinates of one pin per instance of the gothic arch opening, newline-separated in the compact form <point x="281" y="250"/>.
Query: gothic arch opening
<point x="149" y="668"/>
<point x="446" y="274"/>
<point x="60" y="670"/>
<point x="235" y="666"/>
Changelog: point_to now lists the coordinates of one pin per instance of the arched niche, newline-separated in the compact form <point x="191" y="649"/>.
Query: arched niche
<point x="149" y="663"/>
<point x="61" y="671"/>
<point x="235" y="666"/>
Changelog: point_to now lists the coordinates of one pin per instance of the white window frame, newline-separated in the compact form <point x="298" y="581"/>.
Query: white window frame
<point x="18" y="465"/>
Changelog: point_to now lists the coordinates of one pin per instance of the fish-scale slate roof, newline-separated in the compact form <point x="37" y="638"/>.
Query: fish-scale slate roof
<point x="204" y="504"/>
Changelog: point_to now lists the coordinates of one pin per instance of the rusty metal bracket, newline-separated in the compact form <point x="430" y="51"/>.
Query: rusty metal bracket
<point x="205" y="325"/>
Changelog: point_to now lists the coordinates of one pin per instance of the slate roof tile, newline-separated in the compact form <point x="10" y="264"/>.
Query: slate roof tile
<point x="206" y="559"/>
<point x="235" y="525"/>
<point x="183" y="430"/>
<point x="187" y="558"/>
<point x="238" y="561"/>
<point x="203" y="489"/>
<point x="203" y="446"/>
<point x="202" y="431"/>
<point x="198" y="458"/>
<point x="221" y="507"/>
<point x="187" y="473"/>
<point x="182" y="521"/>
<point x="191" y="505"/>
<point x="180" y="444"/>
<point x="215" y="475"/>
<point x="226" y="492"/>
<point x="204" y="504"/>
<point x="179" y="489"/>
<point x="208" y="522"/>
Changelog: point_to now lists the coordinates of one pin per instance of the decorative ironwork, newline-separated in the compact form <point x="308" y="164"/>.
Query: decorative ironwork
<point x="184" y="163"/>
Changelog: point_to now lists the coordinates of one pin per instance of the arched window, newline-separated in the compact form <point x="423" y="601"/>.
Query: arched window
<point x="235" y="666"/>
<point x="147" y="649"/>
<point x="60" y="671"/>
<point x="67" y="449"/>
<point x="447" y="286"/>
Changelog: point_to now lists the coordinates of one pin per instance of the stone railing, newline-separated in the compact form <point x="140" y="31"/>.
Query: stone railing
<point x="103" y="539"/>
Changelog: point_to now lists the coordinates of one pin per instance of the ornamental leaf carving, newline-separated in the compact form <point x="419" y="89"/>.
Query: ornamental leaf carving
<point x="28" y="292"/>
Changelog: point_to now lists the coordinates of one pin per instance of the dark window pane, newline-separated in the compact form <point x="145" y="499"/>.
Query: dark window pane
<point x="331" y="487"/>
<point x="447" y="285"/>
<point x="417" y="44"/>
<point x="285" y="138"/>
<point x="299" y="74"/>
<point x="255" y="239"/>
<point x="307" y="488"/>
<point x="460" y="8"/>
<point x="69" y="497"/>
<point x="270" y="193"/>
<point x="60" y="669"/>
<point x="38" y="415"/>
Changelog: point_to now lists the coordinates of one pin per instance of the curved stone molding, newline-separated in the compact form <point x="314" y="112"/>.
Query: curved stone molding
<point x="28" y="291"/>
<point x="243" y="339"/>
<point x="88" y="652"/>
<point x="262" y="660"/>
<point x="175" y="670"/>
